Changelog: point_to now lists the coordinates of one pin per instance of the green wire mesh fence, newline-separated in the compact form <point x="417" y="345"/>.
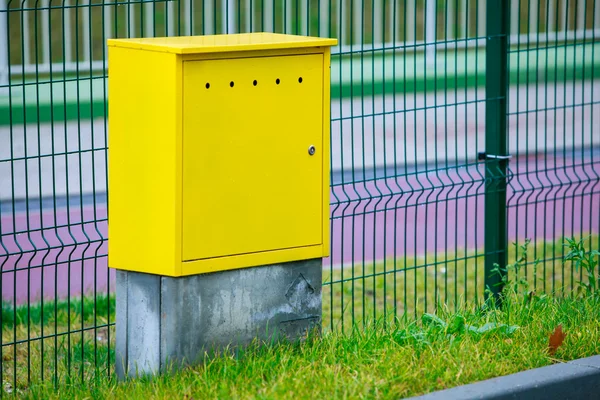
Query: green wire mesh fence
<point x="457" y="129"/>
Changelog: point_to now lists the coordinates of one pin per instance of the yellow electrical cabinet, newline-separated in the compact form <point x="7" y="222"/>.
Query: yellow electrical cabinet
<point x="218" y="152"/>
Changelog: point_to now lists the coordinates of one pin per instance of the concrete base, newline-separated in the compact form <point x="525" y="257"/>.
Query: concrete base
<point x="165" y="322"/>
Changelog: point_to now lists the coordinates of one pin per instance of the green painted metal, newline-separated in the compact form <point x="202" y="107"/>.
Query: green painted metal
<point x="496" y="146"/>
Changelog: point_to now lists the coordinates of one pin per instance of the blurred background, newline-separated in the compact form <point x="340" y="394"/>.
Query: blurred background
<point x="408" y="119"/>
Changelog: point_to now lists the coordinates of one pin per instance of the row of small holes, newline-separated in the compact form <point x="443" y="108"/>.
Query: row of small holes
<point x="255" y="82"/>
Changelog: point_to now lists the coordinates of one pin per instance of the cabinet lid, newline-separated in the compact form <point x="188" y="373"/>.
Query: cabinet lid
<point x="222" y="43"/>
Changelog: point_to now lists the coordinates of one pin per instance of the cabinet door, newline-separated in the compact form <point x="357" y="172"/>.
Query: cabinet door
<point x="250" y="182"/>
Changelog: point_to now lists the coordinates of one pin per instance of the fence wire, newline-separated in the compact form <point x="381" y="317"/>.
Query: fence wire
<point x="412" y="223"/>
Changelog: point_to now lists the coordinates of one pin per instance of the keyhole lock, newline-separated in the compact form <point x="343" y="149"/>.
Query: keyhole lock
<point x="311" y="150"/>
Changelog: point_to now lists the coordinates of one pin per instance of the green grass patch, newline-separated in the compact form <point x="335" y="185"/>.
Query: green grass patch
<point x="396" y="328"/>
<point x="55" y="340"/>
<point x="407" y="287"/>
<point x="60" y="311"/>
<point x="432" y="353"/>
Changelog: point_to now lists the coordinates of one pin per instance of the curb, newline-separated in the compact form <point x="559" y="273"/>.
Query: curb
<point x="578" y="379"/>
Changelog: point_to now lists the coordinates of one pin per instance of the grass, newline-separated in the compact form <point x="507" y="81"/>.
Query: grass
<point x="398" y="346"/>
<point x="412" y="359"/>
<point x="410" y="286"/>
<point x="62" y="338"/>
<point x="50" y="311"/>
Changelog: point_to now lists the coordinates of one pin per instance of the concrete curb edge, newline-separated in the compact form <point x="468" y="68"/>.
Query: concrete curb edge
<point x="577" y="379"/>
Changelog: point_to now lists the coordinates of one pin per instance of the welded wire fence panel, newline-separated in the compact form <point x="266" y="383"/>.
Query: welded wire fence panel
<point x="57" y="301"/>
<point x="408" y="190"/>
<point x="406" y="212"/>
<point x="554" y="136"/>
<point x="410" y="228"/>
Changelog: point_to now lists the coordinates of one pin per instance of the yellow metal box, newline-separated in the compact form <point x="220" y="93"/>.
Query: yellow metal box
<point x="218" y="152"/>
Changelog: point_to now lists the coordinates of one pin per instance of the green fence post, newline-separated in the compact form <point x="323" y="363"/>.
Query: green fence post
<point x="496" y="236"/>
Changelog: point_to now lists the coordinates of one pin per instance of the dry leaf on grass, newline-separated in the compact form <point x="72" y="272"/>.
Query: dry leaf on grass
<point x="556" y="339"/>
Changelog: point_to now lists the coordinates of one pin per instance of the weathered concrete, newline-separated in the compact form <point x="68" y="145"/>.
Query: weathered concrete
<point x="165" y="322"/>
<point x="578" y="379"/>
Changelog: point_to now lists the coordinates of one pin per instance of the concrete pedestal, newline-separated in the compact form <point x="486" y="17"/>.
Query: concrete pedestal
<point x="165" y="322"/>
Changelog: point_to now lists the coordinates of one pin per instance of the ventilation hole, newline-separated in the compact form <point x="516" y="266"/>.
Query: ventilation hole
<point x="231" y="84"/>
<point x="300" y="80"/>
<point x="277" y="81"/>
<point x="207" y="85"/>
<point x="255" y="82"/>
